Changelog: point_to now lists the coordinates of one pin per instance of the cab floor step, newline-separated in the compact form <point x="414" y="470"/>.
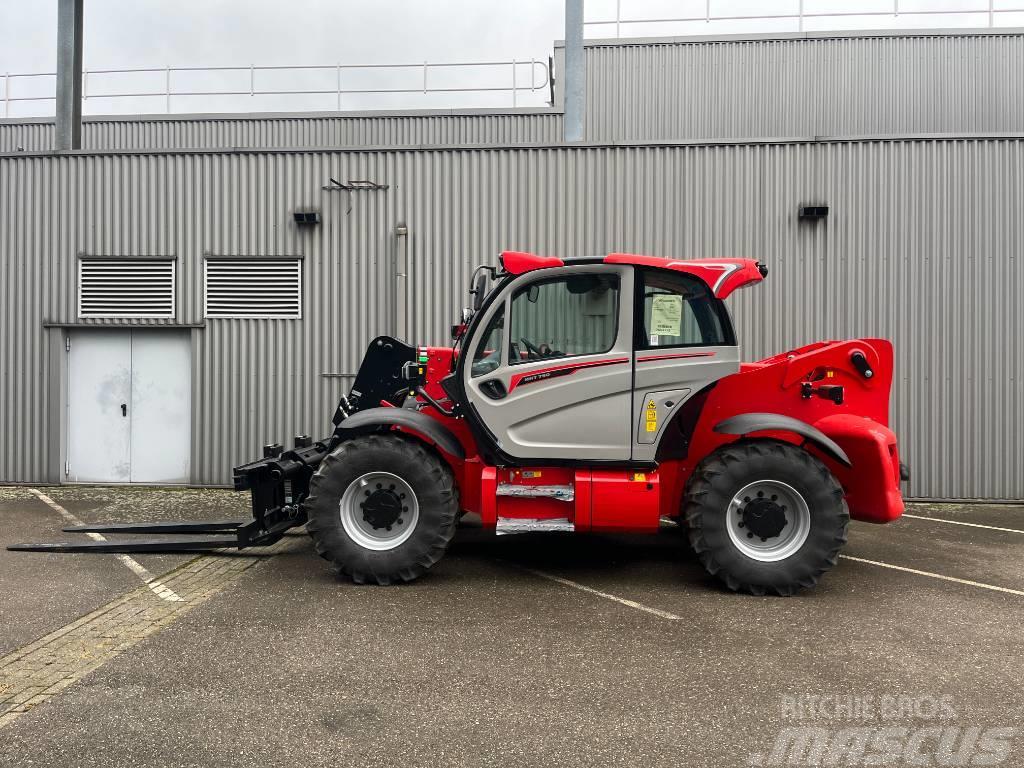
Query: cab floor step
<point x="558" y="492"/>
<point x="523" y="525"/>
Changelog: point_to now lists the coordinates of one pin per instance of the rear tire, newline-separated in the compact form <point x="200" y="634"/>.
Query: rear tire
<point x="382" y="509"/>
<point x="765" y="516"/>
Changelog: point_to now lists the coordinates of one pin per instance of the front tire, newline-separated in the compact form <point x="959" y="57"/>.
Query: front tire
<point x="382" y="509"/>
<point x="765" y="516"/>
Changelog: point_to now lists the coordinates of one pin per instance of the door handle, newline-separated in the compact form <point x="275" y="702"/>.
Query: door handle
<point x="494" y="389"/>
<point x="124" y="409"/>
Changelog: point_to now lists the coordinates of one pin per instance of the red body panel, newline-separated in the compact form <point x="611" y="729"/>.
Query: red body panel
<point x="723" y="276"/>
<point x="518" y="262"/>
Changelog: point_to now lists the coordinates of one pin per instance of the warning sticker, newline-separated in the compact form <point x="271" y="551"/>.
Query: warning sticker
<point x="666" y="315"/>
<point x="651" y="416"/>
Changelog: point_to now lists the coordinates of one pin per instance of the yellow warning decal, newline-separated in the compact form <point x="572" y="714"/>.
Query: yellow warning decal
<point x="639" y="477"/>
<point x="652" y="426"/>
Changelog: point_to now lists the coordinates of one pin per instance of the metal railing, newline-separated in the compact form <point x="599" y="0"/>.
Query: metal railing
<point x="419" y="82"/>
<point x="985" y="8"/>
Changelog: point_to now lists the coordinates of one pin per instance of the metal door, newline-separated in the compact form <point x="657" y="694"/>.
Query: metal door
<point x="129" y="406"/>
<point x="551" y="373"/>
<point x="99" y="394"/>
<point x="160" y="407"/>
<point x="683" y="342"/>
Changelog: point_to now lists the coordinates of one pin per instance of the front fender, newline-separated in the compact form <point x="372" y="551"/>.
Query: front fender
<point x="406" y="420"/>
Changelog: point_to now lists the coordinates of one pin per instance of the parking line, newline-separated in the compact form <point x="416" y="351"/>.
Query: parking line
<point x="960" y="522"/>
<point x="940" y="576"/>
<point x="590" y="590"/>
<point x="130" y="563"/>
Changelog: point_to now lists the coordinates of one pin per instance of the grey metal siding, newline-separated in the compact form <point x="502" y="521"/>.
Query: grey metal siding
<point x="210" y="132"/>
<point x="805" y="87"/>
<point x="922" y="246"/>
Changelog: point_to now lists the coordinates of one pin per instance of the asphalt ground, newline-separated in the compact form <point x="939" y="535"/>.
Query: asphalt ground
<point x="540" y="649"/>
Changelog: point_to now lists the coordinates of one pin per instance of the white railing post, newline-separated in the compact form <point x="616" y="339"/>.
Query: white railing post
<point x="252" y="80"/>
<point x="338" y="84"/>
<point x="85" y="85"/>
<point x="424" y="77"/>
<point x="801" y="12"/>
<point x="7" y="94"/>
<point x="533" y="74"/>
<point x="618" y="18"/>
<point x="167" y="88"/>
<point x="896" y="9"/>
<point x="513" y="83"/>
<point x="991" y="14"/>
<point x="707" y="11"/>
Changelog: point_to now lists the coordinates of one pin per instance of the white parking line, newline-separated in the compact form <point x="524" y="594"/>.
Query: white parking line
<point x="590" y="590"/>
<point x="929" y="574"/>
<point x="960" y="522"/>
<point x="129" y="562"/>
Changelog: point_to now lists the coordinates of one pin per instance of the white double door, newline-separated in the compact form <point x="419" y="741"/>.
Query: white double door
<point x="129" y="406"/>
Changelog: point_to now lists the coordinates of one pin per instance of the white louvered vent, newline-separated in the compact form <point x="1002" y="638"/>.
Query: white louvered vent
<point x="269" y="288"/>
<point x="126" y="288"/>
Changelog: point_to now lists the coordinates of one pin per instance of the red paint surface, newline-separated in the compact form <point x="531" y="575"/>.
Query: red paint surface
<point x="722" y="276"/>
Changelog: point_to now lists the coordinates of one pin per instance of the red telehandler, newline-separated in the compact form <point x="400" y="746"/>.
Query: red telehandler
<point x="589" y="394"/>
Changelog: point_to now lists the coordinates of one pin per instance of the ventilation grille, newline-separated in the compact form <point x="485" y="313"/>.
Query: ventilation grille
<point x="126" y="288"/>
<point x="253" y="288"/>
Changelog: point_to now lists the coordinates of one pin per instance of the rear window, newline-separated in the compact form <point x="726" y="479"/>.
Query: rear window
<point x="677" y="310"/>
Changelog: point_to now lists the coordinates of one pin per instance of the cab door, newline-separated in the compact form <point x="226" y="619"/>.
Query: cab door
<point x="683" y="341"/>
<point x="551" y="370"/>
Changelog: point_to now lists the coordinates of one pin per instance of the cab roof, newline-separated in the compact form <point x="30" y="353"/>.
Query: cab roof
<point x="722" y="276"/>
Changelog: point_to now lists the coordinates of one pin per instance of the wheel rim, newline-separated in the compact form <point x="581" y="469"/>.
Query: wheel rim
<point x="379" y="511"/>
<point x="768" y="520"/>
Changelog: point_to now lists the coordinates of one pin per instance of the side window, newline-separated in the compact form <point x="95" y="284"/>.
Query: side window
<point x="488" y="352"/>
<point x="566" y="316"/>
<point x="677" y="310"/>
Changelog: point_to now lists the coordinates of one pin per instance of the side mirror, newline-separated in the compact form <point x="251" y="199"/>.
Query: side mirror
<point x="479" y="291"/>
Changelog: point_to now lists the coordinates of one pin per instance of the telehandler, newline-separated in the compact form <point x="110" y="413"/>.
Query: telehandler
<point x="589" y="394"/>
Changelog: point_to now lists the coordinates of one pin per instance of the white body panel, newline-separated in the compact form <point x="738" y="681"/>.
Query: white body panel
<point x="129" y="406"/>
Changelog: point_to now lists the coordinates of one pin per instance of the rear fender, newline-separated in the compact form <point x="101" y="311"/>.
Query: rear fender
<point x="415" y="423"/>
<point x="747" y="423"/>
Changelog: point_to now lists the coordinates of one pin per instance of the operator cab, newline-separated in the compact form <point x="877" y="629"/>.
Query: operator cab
<point x="589" y="360"/>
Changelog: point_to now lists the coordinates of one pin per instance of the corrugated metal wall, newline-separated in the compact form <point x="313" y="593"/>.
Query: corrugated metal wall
<point x="523" y="127"/>
<point x="922" y="246"/>
<point x="811" y="86"/>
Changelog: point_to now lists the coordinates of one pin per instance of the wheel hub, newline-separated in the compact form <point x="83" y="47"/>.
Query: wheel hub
<point x="768" y="520"/>
<point x="764" y="517"/>
<point x="382" y="508"/>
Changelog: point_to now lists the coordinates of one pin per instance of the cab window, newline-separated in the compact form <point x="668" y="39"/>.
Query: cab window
<point x="564" y="317"/>
<point x="678" y="310"/>
<point x="488" y="352"/>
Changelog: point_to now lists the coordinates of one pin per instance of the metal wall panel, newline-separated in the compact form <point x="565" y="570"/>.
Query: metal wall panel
<point x="922" y="246"/>
<point x="411" y="129"/>
<point x="805" y="86"/>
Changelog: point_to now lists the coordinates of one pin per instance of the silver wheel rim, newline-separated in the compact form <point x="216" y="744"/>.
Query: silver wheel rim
<point x="354" y="516"/>
<point x="748" y="501"/>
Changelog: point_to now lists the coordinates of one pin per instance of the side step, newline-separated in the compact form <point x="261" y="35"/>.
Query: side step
<point x="557" y="492"/>
<point x="523" y="525"/>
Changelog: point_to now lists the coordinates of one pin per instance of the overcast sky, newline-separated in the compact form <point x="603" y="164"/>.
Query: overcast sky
<point x="198" y="33"/>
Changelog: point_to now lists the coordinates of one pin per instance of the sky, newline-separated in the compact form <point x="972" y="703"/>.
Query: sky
<point x="123" y="34"/>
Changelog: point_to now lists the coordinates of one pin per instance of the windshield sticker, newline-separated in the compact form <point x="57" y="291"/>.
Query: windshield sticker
<point x="666" y="315"/>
